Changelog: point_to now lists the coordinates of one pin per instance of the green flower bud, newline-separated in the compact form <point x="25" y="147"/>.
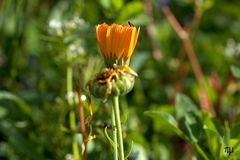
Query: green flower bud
<point x="112" y="82"/>
<point x="123" y="85"/>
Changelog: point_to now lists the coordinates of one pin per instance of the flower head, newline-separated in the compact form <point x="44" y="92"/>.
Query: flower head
<point x="116" y="42"/>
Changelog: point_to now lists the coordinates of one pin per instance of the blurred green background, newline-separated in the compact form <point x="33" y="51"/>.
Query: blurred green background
<point x="41" y="39"/>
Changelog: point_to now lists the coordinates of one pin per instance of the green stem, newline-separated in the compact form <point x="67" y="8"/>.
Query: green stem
<point x="114" y="135"/>
<point x="69" y="79"/>
<point x="118" y="125"/>
<point x="72" y="116"/>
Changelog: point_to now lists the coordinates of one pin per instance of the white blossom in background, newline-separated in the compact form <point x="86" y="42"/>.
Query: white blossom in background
<point x="232" y="48"/>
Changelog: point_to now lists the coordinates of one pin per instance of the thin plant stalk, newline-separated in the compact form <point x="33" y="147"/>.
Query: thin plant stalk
<point x="184" y="36"/>
<point x="72" y="116"/>
<point x="82" y="121"/>
<point x="118" y="125"/>
<point x="115" y="140"/>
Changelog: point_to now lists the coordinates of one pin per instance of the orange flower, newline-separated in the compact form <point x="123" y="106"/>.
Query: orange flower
<point x="116" y="42"/>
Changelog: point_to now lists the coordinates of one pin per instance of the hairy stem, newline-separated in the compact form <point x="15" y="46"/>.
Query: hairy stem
<point x="118" y="125"/>
<point x="114" y="129"/>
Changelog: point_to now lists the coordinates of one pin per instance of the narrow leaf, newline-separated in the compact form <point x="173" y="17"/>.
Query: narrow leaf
<point x="4" y="95"/>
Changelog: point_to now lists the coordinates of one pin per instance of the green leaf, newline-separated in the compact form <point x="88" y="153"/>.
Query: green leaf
<point x="235" y="144"/>
<point x="189" y="122"/>
<point x="117" y="4"/>
<point x="235" y="71"/>
<point x="3" y="112"/>
<point x="4" y="95"/>
<point x="235" y="131"/>
<point x="137" y="137"/>
<point x="64" y="129"/>
<point x="129" y="150"/>
<point x="227" y="133"/>
<point x="19" y="141"/>
<point x="213" y="136"/>
<point x="4" y="149"/>
<point x="106" y="4"/>
<point x="206" y="4"/>
<point x="130" y="10"/>
<point x="138" y="152"/>
<point x="211" y="123"/>
<point x="215" y="142"/>
<point x="201" y="152"/>
<point x="108" y="138"/>
<point x="185" y="107"/>
<point x="165" y="118"/>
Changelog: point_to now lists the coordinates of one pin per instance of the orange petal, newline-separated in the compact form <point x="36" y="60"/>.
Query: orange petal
<point x="115" y="40"/>
<point x="133" y="42"/>
<point x="109" y="39"/>
<point x="101" y="37"/>
<point x="136" y="37"/>
<point x="129" y="43"/>
<point x="122" y="36"/>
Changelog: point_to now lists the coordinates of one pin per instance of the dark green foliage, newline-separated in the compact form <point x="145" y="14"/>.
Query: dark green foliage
<point x="41" y="39"/>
